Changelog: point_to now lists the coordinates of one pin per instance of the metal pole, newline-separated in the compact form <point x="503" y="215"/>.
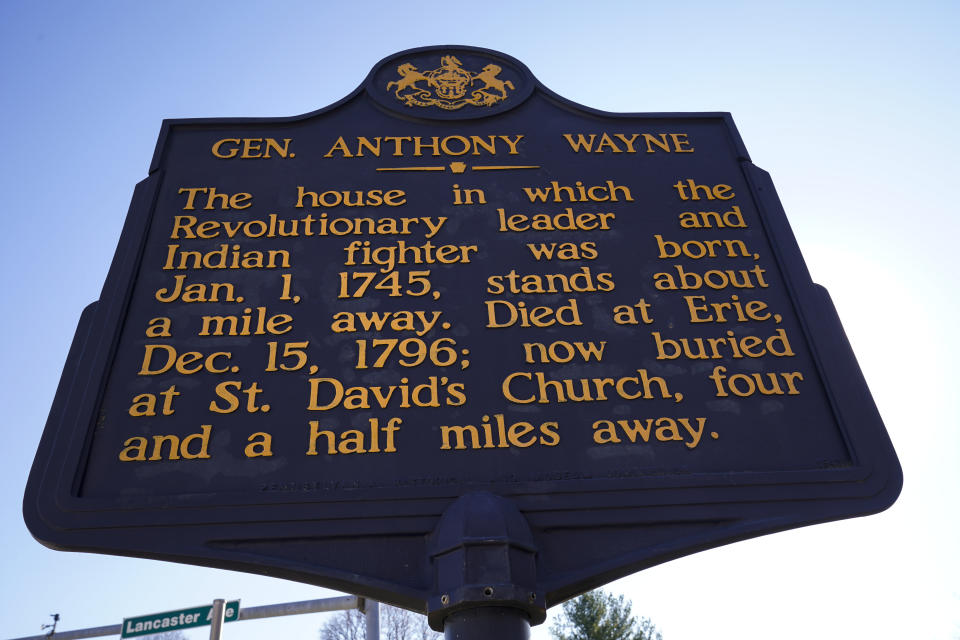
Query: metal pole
<point x="485" y="571"/>
<point x="339" y="603"/>
<point x="216" y="619"/>
<point x="372" y="616"/>
<point x="483" y="623"/>
<point x="248" y="613"/>
<point x="79" y="634"/>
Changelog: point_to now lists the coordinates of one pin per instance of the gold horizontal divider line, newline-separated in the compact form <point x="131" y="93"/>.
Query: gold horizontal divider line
<point x="411" y="168"/>
<point x="492" y="167"/>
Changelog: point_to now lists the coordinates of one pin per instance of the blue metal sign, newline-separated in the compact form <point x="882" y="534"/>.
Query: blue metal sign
<point x="318" y="332"/>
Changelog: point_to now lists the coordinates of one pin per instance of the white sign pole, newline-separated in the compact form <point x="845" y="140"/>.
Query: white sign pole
<point x="216" y="619"/>
<point x="371" y="614"/>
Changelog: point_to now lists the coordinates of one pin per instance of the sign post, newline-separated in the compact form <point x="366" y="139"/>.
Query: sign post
<point x="216" y="619"/>
<point x="455" y="321"/>
<point x="371" y="619"/>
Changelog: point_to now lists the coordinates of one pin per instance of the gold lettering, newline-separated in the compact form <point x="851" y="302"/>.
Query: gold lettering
<point x="159" y="328"/>
<point x="519" y="434"/>
<point x="524" y="387"/>
<point x="730" y="346"/>
<point x="145" y="403"/>
<point x="230" y="153"/>
<point x="744" y="385"/>
<point x="341" y="146"/>
<point x="259" y="445"/>
<point x="182" y="363"/>
<point x="356" y="440"/>
<point x="135" y="448"/>
<point x="417" y="146"/>
<point x="647" y="430"/>
<point x="668" y="142"/>
<point x="565" y="221"/>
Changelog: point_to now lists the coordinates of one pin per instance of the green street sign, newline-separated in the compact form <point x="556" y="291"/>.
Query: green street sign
<point x="174" y="620"/>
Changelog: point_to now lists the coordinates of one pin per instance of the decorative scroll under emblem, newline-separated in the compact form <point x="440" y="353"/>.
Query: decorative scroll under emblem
<point x="447" y="87"/>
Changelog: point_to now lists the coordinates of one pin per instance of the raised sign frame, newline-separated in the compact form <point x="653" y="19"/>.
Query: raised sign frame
<point x="375" y="540"/>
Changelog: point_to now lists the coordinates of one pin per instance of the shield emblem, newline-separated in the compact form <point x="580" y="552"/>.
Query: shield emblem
<point x="450" y="86"/>
<point x="451" y="83"/>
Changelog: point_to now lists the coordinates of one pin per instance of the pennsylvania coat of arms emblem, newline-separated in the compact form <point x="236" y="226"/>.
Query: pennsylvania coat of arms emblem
<point x="449" y="86"/>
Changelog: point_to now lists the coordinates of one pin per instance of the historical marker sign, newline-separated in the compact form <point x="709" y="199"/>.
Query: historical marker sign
<point x="175" y="620"/>
<point x="320" y="331"/>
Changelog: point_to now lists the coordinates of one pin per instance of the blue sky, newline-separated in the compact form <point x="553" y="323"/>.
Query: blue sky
<point x="851" y="108"/>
